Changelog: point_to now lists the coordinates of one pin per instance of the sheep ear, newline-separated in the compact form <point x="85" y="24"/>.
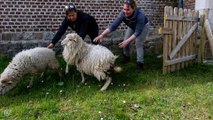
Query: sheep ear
<point x="75" y="39"/>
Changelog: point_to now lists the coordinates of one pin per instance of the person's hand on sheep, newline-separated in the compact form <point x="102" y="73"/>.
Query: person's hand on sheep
<point x="50" y="45"/>
<point x="123" y="44"/>
<point x="98" y="38"/>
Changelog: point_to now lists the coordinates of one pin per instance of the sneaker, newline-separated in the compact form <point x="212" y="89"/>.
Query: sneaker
<point x="126" y="59"/>
<point x="139" y="67"/>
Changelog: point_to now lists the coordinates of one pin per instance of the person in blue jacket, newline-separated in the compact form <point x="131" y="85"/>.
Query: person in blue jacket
<point x="82" y="23"/>
<point x="137" y="30"/>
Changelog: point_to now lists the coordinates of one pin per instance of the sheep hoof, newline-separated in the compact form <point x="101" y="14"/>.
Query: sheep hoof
<point x="106" y="84"/>
<point x="118" y="69"/>
<point x="103" y="89"/>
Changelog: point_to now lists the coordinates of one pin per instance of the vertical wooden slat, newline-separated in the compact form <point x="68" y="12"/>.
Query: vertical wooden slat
<point x="180" y="34"/>
<point x="174" y="40"/>
<point x="187" y="44"/>
<point x="170" y="40"/>
<point x="202" y="41"/>
<point x="165" y="42"/>
<point x="190" y="43"/>
<point x="183" y="64"/>
<point x="194" y="35"/>
<point x="196" y="48"/>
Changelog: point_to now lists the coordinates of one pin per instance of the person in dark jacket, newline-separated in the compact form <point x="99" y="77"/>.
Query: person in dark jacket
<point x="137" y="30"/>
<point x="82" y="23"/>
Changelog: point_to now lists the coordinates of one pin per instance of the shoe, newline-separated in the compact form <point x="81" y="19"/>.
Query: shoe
<point x="126" y="59"/>
<point x="139" y="67"/>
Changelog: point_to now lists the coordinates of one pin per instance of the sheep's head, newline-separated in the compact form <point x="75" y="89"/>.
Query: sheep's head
<point x="5" y="84"/>
<point x="72" y="38"/>
<point x="72" y="42"/>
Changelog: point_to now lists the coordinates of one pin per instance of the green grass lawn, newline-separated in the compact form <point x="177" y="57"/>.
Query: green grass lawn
<point x="150" y="95"/>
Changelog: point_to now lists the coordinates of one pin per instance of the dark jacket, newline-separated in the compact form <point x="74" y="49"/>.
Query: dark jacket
<point x="84" y="24"/>
<point x="136" y="22"/>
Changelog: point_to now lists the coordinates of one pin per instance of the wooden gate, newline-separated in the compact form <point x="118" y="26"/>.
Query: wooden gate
<point x="180" y="38"/>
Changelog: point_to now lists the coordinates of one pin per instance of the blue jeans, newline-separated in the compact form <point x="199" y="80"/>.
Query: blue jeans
<point x="139" y="43"/>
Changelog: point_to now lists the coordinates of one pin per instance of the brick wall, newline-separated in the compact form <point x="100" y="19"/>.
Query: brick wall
<point x="29" y="23"/>
<point x="46" y="15"/>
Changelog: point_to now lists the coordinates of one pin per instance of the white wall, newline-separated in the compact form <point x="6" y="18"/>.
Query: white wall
<point x="200" y="5"/>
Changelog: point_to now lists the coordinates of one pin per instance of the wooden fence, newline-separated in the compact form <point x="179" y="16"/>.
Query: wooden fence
<point x="180" y="38"/>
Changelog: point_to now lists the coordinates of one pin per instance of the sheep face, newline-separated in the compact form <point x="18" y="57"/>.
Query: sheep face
<point x="6" y="83"/>
<point x="70" y="40"/>
<point x="71" y="45"/>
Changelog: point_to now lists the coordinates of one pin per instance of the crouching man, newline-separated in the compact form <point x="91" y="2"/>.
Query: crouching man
<point x="82" y="23"/>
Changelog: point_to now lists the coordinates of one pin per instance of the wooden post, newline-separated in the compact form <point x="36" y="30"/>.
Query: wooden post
<point x="194" y="36"/>
<point x="203" y="38"/>
<point x="209" y="34"/>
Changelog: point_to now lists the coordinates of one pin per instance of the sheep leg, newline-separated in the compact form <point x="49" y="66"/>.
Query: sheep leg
<point x="60" y="74"/>
<point x="42" y="74"/>
<point x="106" y="84"/>
<point x="82" y="77"/>
<point x="67" y="68"/>
<point x="30" y="83"/>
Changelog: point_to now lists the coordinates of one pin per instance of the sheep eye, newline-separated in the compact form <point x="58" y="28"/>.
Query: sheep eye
<point x="3" y="81"/>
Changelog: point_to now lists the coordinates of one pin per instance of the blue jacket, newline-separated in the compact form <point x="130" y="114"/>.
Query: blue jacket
<point x="136" y="22"/>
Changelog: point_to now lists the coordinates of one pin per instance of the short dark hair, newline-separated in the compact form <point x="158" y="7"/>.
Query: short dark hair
<point x="132" y="3"/>
<point x="70" y="7"/>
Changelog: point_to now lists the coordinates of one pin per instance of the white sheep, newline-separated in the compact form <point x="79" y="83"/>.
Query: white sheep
<point x="30" y="62"/>
<point x="90" y="59"/>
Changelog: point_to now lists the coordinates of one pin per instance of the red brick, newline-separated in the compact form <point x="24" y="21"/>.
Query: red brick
<point x="48" y="14"/>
